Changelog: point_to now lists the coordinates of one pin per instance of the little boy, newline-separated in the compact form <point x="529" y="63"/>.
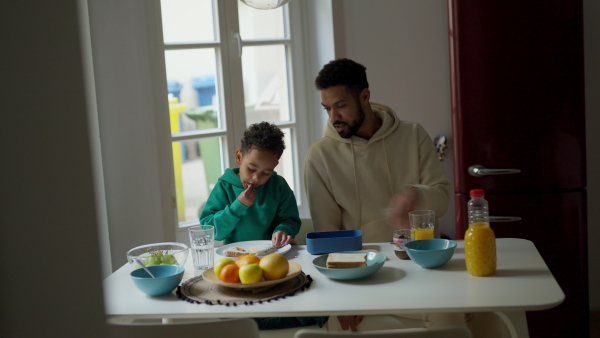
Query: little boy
<point x="252" y="202"/>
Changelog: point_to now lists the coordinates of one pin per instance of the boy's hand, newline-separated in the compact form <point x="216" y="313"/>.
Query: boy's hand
<point x="248" y="196"/>
<point x="280" y="239"/>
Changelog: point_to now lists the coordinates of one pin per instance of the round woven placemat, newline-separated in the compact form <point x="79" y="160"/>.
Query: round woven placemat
<point x="197" y="290"/>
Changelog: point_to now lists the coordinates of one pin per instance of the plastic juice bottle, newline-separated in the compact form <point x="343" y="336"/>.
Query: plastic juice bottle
<point x="480" y="241"/>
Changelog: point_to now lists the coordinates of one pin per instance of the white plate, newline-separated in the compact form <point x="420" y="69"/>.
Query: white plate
<point x="248" y="244"/>
<point x="209" y="275"/>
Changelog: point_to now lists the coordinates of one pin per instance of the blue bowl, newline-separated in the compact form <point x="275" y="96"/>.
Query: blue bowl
<point x="167" y="279"/>
<point x="375" y="261"/>
<point x="430" y="253"/>
<point x="324" y="242"/>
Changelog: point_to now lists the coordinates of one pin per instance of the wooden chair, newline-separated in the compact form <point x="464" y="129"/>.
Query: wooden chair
<point x="243" y="327"/>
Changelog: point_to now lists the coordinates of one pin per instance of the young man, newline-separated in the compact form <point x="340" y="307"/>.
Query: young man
<point x="371" y="168"/>
<point x="252" y="202"/>
<point x="367" y="173"/>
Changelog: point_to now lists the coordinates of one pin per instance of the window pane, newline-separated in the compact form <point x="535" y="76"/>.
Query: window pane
<point x="265" y="84"/>
<point x="260" y="24"/>
<point x="285" y="167"/>
<point x="197" y="167"/>
<point x="191" y="78"/>
<point x="186" y="21"/>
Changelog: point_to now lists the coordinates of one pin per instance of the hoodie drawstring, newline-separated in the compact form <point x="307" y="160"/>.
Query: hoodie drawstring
<point x="356" y="187"/>
<point x="387" y="166"/>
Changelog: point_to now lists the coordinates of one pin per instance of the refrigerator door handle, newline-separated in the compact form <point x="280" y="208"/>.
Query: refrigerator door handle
<point x="478" y="170"/>
<point x="504" y="219"/>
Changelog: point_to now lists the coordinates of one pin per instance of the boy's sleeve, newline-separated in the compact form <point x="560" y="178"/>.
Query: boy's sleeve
<point x="223" y="211"/>
<point x="287" y="219"/>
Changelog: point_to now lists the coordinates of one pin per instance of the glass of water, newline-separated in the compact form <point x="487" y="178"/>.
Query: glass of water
<point x="202" y="243"/>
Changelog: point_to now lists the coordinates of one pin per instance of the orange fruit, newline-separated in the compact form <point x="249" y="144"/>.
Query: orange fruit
<point x="247" y="259"/>
<point x="274" y="266"/>
<point x="230" y="274"/>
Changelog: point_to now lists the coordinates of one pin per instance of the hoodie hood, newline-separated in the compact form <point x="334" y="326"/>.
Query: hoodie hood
<point x="382" y="111"/>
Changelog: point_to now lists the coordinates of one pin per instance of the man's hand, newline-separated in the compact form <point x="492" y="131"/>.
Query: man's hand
<point x="280" y="238"/>
<point x="248" y="196"/>
<point x="402" y="203"/>
<point x="349" y="322"/>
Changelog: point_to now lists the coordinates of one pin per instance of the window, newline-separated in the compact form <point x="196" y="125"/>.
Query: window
<point x="228" y="66"/>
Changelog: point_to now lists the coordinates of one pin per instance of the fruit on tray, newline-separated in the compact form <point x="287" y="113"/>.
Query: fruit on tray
<point x="274" y="266"/>
<point x="250" y="269"/>
<point x="247" y="259"/>
<point x="250" y="273"/>
<point x="230" y="273"/>
<point x="220" y="264"/>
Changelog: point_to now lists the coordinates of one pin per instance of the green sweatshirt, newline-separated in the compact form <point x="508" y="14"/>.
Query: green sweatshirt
<point x="274" y="209"/>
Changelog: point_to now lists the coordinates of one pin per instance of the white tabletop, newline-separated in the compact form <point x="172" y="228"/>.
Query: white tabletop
<point x="522" y="283"/>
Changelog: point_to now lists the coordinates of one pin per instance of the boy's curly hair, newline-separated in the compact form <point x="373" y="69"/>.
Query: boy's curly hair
<point x="344" y="72"/>
<point x="263" y="136"/>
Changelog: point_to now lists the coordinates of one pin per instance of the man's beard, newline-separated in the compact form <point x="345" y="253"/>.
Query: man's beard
<point x="354" y="127"/>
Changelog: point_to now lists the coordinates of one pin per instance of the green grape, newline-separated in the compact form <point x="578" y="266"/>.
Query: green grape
<point x="169" y="259"/>
<point x="152" y="260"/>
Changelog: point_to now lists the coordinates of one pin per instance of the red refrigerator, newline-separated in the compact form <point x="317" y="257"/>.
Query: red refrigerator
<point x="518" y="123"/>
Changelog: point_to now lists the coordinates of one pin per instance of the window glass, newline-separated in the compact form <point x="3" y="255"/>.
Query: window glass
<point x="265" y="84"/>
<point x="285" y="167"/>
<point x="191" y="79"/>
<point x="187" y="21"/>
<point x="261" y="24"/>
<point x="197" y="167"/>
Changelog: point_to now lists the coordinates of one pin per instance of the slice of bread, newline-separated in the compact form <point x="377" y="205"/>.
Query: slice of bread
<point x="339" y="260"/>
<point x="262" y="250"/>
<point x="235" y="251"/>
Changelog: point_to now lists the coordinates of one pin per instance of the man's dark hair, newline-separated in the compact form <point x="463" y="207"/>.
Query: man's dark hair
<point x="345" y="72"/>
<point x="263" y="136"/>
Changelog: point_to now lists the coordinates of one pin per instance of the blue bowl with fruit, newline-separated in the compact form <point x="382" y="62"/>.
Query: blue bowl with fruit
<point x="166" y="278"/>
<point x="168" y="253"/>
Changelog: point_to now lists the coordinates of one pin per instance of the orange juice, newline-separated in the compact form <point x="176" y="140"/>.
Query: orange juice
<point x="421" y="234"/>
<point x="480" y="250"/>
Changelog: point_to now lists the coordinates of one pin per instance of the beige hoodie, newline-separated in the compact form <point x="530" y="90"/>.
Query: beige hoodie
<point x="350" y="182"/>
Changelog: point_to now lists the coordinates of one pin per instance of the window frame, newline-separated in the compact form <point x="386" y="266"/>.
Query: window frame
<point x="230" y="84"/>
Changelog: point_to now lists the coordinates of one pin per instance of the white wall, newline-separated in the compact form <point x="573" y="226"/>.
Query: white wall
<point x="125" y="38"/>
<point x="404" y="46"/>
<point x="50" y="282"/>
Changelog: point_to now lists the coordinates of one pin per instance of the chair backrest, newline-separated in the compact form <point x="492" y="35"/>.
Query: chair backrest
<point x="451" y="332"/>
<point x="307" y="226"/>
<point x="244" y="327"/>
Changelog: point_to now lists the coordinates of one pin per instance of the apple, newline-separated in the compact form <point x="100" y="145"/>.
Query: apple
<point x="220" y="264"/>
<point x="274" y="266"/>
<point x="250" y="273"/>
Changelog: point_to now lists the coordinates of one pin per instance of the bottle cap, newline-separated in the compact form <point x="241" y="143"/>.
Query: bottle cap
<point x="477" y="193"/>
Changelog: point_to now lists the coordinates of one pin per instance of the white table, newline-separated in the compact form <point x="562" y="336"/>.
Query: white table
<point x="522" y="283"/>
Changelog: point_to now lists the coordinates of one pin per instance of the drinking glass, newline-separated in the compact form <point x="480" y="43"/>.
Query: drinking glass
<point x="422" y="223"/>
<point x="202" y="243"/>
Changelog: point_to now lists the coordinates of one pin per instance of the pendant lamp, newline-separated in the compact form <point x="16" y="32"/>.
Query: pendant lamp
<point x="265" y="4"/>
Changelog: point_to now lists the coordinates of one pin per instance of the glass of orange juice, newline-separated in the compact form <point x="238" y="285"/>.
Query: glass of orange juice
<point x="422" y="223"/>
